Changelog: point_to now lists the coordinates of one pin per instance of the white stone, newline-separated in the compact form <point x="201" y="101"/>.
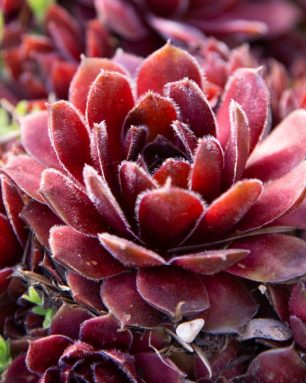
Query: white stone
<point x="188" y="331"/>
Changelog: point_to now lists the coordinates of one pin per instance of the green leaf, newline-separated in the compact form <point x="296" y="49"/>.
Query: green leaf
<point x="7" y="126"/>
<point x="39" y="8"/>
<point x="48" y="318"/>
<point x="1" y="25"/>
<point x="21" y="108"/>
<point x="33" y="297"/>
<point x="5" y="354"/>
<point x="39" y="309"/>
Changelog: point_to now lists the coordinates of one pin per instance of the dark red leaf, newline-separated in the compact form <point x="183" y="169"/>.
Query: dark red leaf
<point x="110" y="99"/>
<point x="209" y="262"/>
<point x="69" y="138"/>
<point x="105" y="332"/>
<point x="70" y="203"/>
<point x="10" y="249"/>
<point x="298" y="328"/>
<point x="273" y="258"/>
<point x="13" y="204"/>
<point x="206" y="174"/>
<point x="67" y="321"/>
<point x="87" y="71"/>
<point x="26" y="173"/>
<point x="167" y="215"/>
<point x="277" y="365"/>
<point x="85" y="291"/>
<point x="156" y="369"/>
<point x="45" y="352"/>
<point x="35" y="138"/>
<point x="282" y="150"/>
<point x="105" y="203"/>
<point x="229" y="208"/>
<point x="40" y="219"/>
<point x="255" y="93"/>
<point x="225" y="295"/>
<point x="156" y="113"/>
<point x="278" y="197"/>
<point x="18" y="372"/>
<point x="194" y="107"/>
<point x="297" y="302"/>
<point x="185" y="136"/>
<point x="172" y="291"/>
<point x="121" y="297"/>
<point x="129" y="253"/>
<point x="133" y="180"/>
<point x="168" y="64"/>
<point x="177" y="170"/>
<point x="237" y="148"/>
<point x="82" y="254"/>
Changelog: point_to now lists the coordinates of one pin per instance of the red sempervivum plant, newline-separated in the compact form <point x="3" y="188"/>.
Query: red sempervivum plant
<point x="185" y="20"/>
<point x="38" y="65"/>
<point x="96" y="350"/>
<point x="174" y="206"/>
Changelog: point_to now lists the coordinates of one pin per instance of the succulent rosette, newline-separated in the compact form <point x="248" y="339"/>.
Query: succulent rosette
<point x="169" y="211"/>
<point x="44" y="63"/>
<point x="186" y="21"/>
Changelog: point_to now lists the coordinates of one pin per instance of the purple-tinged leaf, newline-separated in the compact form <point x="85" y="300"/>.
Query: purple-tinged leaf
<point x="70" y="203"/>
<point x="69" y="138"/>
<point x="133" y="180"/>
<point x="185" y="136"/>
<point x="155" y="112"/>
<point x="297" y="301"/>
<point x="177" y="170"/>
<point x="82" y="254"/>
<point x="282" y="150"/>
<point x="225" y="295"/>
<point x="229" y="208"/>
<point x="13" y="204"/>
<point x="277" y="365"/>
<point x="273" y="258"/>
<point x="5" y="274"/>
<point x="67" y="321"/>
<point x="102" y="155"/>
<point x="40" y="219"/>
<point x="104" y="201"/>
<point x="18" y="372"/>
<point x="237" y="148"/>
<point x="298" y="328"/>
<point x="35" y="138"/>
<point x="121" y="297"/>
<point x="26" y="173"/>
<point x="156" y="369"/>
<point x="172" y="291"/>
<point x="45" y="352"/>
<point x="104" y="332"/>
<point x="194" y="107"/>
<point x="278" y="296"/>
<point x="110" y="99"/>
<point x="134" y="142"/>
<point x="209" y="262"/>
<point x="278" y="197"/>
<point x="129" y="253"/>
<point x="87" y="71"/>
<point x="207" y="169"/>
<point x="10" y="248"/>
<point x="246" y="87"/>
<point x="167" y="215"/>
<point x="85" y="291"/>
<point x="168" y="64"/>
